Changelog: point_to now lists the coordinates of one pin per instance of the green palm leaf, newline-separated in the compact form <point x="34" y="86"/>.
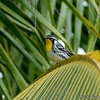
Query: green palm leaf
<point x="74" y="78"/>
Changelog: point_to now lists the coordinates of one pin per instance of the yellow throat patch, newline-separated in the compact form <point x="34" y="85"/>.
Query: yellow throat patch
<point x="48" y="45"/>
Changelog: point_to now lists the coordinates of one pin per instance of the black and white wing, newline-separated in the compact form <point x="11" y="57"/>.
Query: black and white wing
<point x="63" y="51"/>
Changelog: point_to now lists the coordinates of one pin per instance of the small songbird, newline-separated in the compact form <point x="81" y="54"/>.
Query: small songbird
<point x="55" y="50"/>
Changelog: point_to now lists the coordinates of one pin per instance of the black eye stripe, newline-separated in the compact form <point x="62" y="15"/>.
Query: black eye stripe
<point x="52" y="40"/>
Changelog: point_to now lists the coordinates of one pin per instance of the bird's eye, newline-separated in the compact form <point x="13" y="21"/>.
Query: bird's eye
<point x="51" y="39"/>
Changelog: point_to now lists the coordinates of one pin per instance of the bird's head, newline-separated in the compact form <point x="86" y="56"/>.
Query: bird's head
<point x="49" y="42"/>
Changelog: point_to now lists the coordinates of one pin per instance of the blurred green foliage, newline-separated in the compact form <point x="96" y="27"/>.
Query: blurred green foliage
<point x="25" y="23"/>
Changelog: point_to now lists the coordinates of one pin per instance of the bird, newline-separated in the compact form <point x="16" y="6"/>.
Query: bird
<point x="55" y="50"/>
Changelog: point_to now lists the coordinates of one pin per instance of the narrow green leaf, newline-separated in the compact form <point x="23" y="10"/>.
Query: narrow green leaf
<point x="47" y="15"/>
<point x="31" y="72"/>
<point x="50" y="12"/>
<point x="93" y="37"/>
<point x="92" y="15"/>
<point x="2" y="85"/>
<point x="21" y="17"/>
<point x="23" y="39"/>
<point x="62" y="17"/>
<point x="95" y="6"/>
<point x="68" y="28"/>
<point x="83" y="19"/>
<point x="23" y="51"/>
<point x="16" y="74"/>
<point x="95" y="20"/>
<point x="78" y="25"/>
<point x="7" y="76"/>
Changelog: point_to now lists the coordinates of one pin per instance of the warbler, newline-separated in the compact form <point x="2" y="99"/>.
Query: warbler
<point x="55" y="50"/>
